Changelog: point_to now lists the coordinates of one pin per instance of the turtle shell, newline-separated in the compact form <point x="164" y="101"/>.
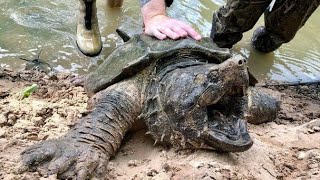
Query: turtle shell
<point x="141" y="50"/>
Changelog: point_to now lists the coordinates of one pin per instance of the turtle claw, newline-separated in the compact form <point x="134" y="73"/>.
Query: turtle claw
<point x="86" y="165"/>
<point x="61" y="165"/>
<point x="84" y="168"/>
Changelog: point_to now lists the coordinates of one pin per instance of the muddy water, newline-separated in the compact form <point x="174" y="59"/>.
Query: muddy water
<point x="27" y="26"/>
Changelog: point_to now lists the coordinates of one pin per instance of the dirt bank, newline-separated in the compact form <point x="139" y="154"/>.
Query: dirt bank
<point x="288" y="148"/>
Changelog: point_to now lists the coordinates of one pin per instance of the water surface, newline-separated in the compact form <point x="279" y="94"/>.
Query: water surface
<point x="27" y="26"/>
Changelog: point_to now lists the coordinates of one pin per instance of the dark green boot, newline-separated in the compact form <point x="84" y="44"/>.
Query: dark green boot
<point x="264" y="41"/>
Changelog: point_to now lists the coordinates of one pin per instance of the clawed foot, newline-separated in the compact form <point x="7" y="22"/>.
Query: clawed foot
<point x="67" y="158"/>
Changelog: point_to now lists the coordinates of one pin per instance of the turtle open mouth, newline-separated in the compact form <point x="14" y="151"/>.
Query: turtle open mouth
<point x="227" y="131"/>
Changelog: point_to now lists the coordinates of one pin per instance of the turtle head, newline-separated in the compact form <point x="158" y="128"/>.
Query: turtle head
<point x="201" y="106"/>
<point x="224" y="103"/>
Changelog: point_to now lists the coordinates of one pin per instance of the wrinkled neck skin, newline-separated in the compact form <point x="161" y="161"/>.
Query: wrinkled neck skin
<point x="113" y="111"/>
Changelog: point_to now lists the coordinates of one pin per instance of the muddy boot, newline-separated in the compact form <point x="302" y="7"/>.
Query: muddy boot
<point x="221" y="38"/>
<point x="88" y="34"/>
<point x="263" y="41"/>
<point x="226" y="40"/>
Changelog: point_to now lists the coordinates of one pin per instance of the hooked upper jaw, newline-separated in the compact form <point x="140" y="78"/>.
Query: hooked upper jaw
<point x="229" y="135"/>
<point x="227" y="129"/>
<point x="223" y="103"/>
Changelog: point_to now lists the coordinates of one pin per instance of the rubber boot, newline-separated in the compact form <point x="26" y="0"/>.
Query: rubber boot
<point x="223" y="39"/>
<point x="226" y="40"/>
<point x="264" y="41"/>
<point x="88" y="34"/>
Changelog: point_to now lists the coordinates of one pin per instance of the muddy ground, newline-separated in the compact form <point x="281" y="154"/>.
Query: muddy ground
<point x="288" y="148"/>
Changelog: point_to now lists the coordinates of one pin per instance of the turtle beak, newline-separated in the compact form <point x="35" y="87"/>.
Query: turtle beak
<point x="230" y="135"/>
<point x="227" y="130"/>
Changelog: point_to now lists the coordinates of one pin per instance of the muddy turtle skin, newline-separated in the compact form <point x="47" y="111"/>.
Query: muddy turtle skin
<point x="190" y="94"/>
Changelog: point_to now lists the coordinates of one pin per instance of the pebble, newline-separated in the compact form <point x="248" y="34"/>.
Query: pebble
<point x="3" y="120"/>
<point x="317" y="158"/>
<point x="152" y="173"/>
<point x="38" y="121"/>
<point x="12" y="119"/>
<point x="166" y="167"/>
<point x="313" y="166"/>
<point x="316" y="128"/>
<point x="132" y="163"/>
<point x="2" y="133"/>
<point x="207" y="178"/>
<point x="311" y="131"/>
<point x="200" y="165"/>
<point x="313" y="171"/>
<point x="32" y="136"/>
<point x="302" y="155"/>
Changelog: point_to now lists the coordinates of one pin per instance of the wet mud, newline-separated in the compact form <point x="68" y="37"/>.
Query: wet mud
<point x="287" y="148"/>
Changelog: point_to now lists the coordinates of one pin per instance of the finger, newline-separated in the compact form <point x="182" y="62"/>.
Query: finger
<point x="191" y="32"/>
<point x="177" y="29"/>
<point x="156" y="33"/>
<point x="168" y="32"/>
<point x="60" y="165"/>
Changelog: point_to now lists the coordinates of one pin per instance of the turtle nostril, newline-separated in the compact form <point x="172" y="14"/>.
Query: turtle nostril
<point x="240" y="62"/>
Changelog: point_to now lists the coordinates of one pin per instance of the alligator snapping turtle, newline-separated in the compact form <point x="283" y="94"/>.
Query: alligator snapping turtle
<point x="190" y="94"/>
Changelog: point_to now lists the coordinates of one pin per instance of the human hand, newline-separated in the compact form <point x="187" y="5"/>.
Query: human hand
<point x="158" y="24"/>
<point x="162" y="26"/>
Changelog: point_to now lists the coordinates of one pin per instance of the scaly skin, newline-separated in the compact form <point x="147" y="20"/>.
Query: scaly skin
<point x="85" y="150"/>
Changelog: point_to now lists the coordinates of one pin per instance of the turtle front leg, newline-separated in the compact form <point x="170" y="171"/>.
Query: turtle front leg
<point x="85" y="150"/>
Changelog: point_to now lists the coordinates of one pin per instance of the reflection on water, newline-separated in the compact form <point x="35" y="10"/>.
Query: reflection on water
<point x="28" y="26"/>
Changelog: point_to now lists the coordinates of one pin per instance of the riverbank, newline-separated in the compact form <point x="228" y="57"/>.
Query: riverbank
<point x="288" y="148"/>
